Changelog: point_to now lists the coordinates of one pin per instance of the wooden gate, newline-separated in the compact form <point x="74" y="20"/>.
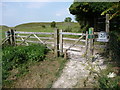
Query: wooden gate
<point x="25" y="38"/>
<point x="86" y="38"/>
<point x="55" y="39"/>
<point x="33" y="38"/>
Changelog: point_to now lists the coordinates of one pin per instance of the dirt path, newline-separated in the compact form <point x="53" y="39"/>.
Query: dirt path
<point x="76" y="73"/>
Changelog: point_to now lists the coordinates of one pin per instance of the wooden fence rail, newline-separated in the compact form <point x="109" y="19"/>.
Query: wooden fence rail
<point x="35" y="37"/>
<point x="69" y="33"/>
<point x="45" y="33"/>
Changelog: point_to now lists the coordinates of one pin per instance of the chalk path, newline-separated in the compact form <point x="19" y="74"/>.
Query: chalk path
<point x="77" y="70"/>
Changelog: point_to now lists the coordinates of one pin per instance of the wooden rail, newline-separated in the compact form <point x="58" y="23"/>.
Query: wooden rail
<point x="69" y="33"/>
<point x="35" y="37"/>
<point x="72" y="39"/>
<point x="35" y="41"/>
<point x="43" y="33"/>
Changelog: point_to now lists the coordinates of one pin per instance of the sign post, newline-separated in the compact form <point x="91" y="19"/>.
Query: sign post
<point x="90" y="33"/>
<point x="90" y="42"/>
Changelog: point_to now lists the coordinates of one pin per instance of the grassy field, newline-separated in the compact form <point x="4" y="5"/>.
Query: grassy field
<point x="43" y="27"/>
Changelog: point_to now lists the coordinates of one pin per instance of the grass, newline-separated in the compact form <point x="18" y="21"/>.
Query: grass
<point x="20" y="57"/>
<point x="40" y="74"/>
<point x="4" y="29"/>
<point x="30" y="67"/>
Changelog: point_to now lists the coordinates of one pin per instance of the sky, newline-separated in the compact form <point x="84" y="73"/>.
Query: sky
<point x="15" y="13"/>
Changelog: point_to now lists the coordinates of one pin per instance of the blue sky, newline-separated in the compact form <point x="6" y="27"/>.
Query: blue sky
<point x="15" y="13"/>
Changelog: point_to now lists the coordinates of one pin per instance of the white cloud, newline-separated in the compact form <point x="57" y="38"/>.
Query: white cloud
<point x="37" y="0"/>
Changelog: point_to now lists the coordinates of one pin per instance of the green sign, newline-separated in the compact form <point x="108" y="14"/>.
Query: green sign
<point x="90" y="36"/>
<point x="90" y="33"/>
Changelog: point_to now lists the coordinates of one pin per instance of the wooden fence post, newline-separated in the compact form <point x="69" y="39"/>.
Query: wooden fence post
<point x="90" y="46"/>
<point x="9" y="37"/>
<point x="107" y="30"/>
<point x="86" y="44"/>
<point x="61" y="43"/>
<point x="13" y="37"/>
<point x="56" y="43"/>
<point x="107" y="23"/>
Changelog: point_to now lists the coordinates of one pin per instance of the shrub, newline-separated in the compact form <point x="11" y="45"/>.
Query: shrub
<point x="53" y="24"/>
<point x="43" y="26"/>
<point x="105" y="82"/>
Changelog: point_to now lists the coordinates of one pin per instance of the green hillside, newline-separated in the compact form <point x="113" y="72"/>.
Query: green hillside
<point x="44" y="27"/>
<point x="4" y="29"/>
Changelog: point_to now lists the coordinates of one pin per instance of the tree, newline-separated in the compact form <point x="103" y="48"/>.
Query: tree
<point x="68" y="19"/>
<point x="115" y="7"/>
<point x="86" y="13"/>
<point x="53" y="24"/>
<point x="114" y="12"/>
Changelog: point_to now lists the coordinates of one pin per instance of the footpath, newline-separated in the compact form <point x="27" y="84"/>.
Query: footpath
<point x="79" y="72"/>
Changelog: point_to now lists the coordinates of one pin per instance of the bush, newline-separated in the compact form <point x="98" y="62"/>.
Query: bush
<point x="53" y="24"/>
<point x="105" y="82"/>
<point x="14" y="57"/>
<point x="43" y="26"/>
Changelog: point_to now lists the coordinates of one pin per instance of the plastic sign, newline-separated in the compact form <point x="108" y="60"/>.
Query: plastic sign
<point x="90" y="33"/>
<point x="102" y="37"/>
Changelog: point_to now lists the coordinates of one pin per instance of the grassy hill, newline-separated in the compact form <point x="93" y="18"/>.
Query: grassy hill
<point x="4" y="29"/>
<point x="44" y="27"/>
